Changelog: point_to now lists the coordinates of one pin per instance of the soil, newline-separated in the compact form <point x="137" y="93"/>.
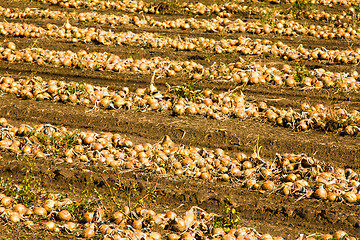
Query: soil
<point x="268" y="213"/>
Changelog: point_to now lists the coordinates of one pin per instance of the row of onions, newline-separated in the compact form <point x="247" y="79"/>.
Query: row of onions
<point x="141" y="6"/>
<point x="329" y="3"/>
<point x="204" y="103"/>
<point x="288" y="174"/>
<point x="241" y="72"/>
<point x="139" y="223"/>
<point x="97" y="61"/>
<point x="242" y="45"/>
<point x="222" y="10"/>
<point x="275" y="26"/>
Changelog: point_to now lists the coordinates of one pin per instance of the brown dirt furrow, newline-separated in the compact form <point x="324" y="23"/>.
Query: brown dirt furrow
<point x="267" y="213"/>
<point x="282" y="97"/>
<point x="231" y="134"/>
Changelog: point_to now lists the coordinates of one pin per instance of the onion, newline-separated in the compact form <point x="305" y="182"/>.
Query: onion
<point x="89" y="139"/>
<point x="170" y="215"/>
<point x="6" y="201"/>
<point x="218" y="232"/>
<point x="187" y="236"/>
<point x="39" y="154"/>
<point x="268" y="185"/>
<point x="236" y="171"/>
<point x="15" y="217"/>
<point x="266" y="237"/>
<point x="326" y="237"/>
<point x="29" y="212"/>
<point x="71" y="226"/>
<point x="137" y="223"/>
<point x="250" y="183"/>
<point x="88" y="217"/>
<point x="26" y="149"/>
<point x="3" y="123"/>
<point x="205" y="176"/>
<point x="40" y="211"/>
<point x="189" y="218"/>
<point x="320" y="193"/>
<point x="64" y="215"/>
<point x="105" y="103"/>
<point x="287" y="190"/>
<point x="249" y="172"/>
<point x="105" y="229"/>
<point x="29" y="224"/>
<point x="266" y="173"/>
<point x="179" y="109"/>
<point x="50" y="225"/>
<point x="118" y="217"/>
<point x="67" y="25"/>
<point x="178" y="224"/>
<point x="173" y="236"/>
<point x="89" y="232"/>
<point x="225" y="177"/>
<point x="332" y="196"/>
<point x="49" y="204"/>
<point x="155" y="236"/>
<point x="73" y="98"/>
<point x="291" y="177"/>
<point x="339" y="235"/>
<point x="247" y="165"/>
<point x="21" y="209"/>
<point x="350" y="197"/>
<point x="11" y="45"/>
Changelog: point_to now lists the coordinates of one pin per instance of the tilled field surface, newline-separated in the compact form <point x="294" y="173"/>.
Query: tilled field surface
<point x="179" y="119"/>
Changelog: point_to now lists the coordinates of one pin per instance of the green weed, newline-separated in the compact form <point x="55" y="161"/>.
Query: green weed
<point x="78" y="208"/>
<point x="75" y="88"/>
<point x="169" y="6"/>
<point x="34" y="45"/>
<point x="136" y="196"/>
<point x="300" y="6"/>
<point x="301" y="73"/>
<point x="28" y="191"/>
<point x="257" y="149"/>
<point x="57" y="141"/>
<point x="309" y="179"/>
<point x="88" y="200"/>
<point x="267" y="18"/>
<point x="188" y="92"/>
<point x="229" y="219"/>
